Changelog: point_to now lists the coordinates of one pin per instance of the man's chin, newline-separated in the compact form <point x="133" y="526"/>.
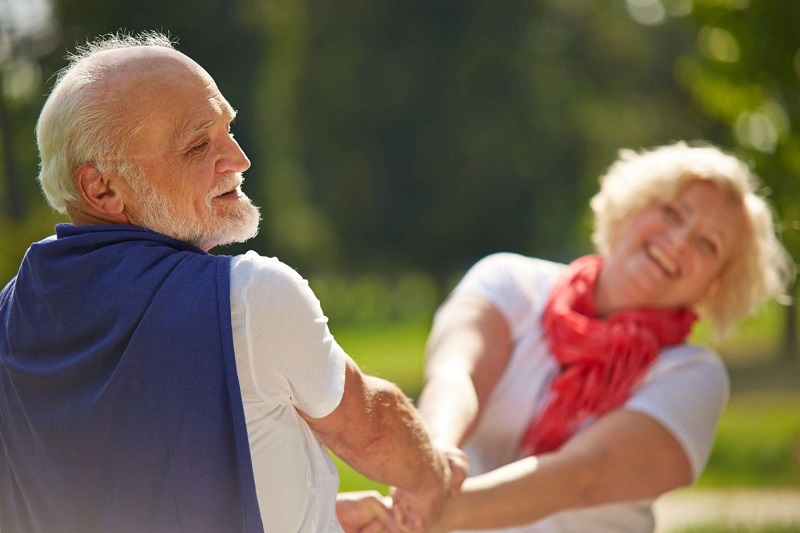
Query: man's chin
<point x="217" y="229"/>
<point x="236" y="231"/>
<point x="236" y="238"/>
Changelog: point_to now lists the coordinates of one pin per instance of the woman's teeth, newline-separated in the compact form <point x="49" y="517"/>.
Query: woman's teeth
<point x="663" y="261"/>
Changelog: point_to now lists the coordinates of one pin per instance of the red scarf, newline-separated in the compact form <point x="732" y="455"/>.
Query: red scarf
<point x="601" y="360"/>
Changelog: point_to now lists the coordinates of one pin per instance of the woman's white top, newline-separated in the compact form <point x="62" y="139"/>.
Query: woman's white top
<point x="685" y="390"/>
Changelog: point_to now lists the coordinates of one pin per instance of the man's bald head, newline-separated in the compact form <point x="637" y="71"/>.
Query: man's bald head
<point x="92" y="111"/>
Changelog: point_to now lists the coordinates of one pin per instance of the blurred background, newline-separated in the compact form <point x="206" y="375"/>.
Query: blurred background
<point x="395" y="143"/>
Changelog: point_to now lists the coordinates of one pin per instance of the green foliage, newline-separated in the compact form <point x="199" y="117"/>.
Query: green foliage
<point x="17" y="235"/>
<point x="758" y="442"/>
<point x="410" y="296"/>
<point x="744" y="72"/>
<point x="725" y="527"/>
<point x="754" y="339"/>
<point x="392" y="137"/>
<point x="391" y="350"/>
<point x="417" y="136"/>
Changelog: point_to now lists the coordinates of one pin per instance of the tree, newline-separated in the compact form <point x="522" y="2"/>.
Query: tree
<point x="424" y="135"/>
<point x="745" y="73"/>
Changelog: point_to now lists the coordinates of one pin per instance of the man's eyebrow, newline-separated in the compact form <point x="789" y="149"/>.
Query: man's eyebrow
<point x="186" y="132"/>
<point x="200" y="128"/>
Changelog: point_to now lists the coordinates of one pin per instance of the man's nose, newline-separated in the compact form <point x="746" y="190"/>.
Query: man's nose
<point x="233" y="158"/>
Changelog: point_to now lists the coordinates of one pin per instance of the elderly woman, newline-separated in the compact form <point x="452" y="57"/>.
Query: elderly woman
<point x="572" y="388"/>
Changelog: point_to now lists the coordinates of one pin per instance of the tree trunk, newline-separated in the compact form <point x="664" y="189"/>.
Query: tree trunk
<point x="14" y="199"/>
<point x="789" y="350"/>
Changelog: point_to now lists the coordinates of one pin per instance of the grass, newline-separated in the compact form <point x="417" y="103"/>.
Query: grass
<point x="741" y="528"/>
<point x="758" y="440"/>
<point x="392" y="350"/>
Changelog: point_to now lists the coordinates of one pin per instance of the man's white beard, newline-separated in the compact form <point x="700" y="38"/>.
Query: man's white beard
<point x="158" y="213"/>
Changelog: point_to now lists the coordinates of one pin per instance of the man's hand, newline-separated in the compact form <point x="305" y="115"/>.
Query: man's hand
<point x="415" y="511"/>
<point x="365" y="512"/>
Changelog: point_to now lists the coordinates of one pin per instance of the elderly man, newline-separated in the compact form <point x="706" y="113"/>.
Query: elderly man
<point x="147" y="386"/>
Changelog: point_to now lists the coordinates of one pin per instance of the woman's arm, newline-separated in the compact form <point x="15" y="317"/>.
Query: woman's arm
<point x="468" y="349"/>
<point x="624" y="455"/>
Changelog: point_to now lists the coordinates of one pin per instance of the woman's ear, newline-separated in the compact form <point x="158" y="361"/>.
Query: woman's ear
<point x="98" y="192"/>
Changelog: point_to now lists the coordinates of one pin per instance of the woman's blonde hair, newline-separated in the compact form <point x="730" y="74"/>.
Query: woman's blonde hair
<point x="761" y="268"/>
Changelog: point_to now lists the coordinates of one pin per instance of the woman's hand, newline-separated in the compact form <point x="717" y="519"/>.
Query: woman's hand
<point x="365" y="512"/>
<point x="405" y="503"/>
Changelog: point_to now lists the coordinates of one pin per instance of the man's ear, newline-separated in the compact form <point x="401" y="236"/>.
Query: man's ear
<point x="97" y="191"/>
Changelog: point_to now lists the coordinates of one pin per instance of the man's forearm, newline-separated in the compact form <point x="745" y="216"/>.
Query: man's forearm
<point x="377" y="431"/>
<point x="401" y="454"/>
<point x="388" y="442"/>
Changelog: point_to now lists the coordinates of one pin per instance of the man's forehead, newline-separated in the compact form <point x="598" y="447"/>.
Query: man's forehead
<point x="170" y="128"/>
<point x="200" y="117"/>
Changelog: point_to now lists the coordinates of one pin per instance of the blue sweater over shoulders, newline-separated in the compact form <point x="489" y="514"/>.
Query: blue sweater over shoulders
<point x="120" y="407"/>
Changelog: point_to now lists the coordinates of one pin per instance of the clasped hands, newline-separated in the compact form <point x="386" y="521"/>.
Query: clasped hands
<point x="403" y="511"/>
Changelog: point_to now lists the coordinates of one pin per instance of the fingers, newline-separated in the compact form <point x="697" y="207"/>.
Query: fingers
<point x="378" y="527"/>
<point x="411" y="513"/>
<point x="365" y="512"/>
<point x="417" y="512"/>
<point x="459" y="469"/>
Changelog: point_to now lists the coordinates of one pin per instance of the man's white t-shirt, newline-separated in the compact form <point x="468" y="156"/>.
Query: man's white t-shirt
<point x="685" y="390"/>
<point x="286" y="360"/>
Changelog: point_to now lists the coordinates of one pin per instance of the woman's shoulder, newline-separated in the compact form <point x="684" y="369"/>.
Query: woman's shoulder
<point x="519" y="264"/>
<point x="507" y="273"/>
<point x="690" y="359"/>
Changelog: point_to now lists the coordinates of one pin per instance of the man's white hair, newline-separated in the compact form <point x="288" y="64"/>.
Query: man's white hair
<point x="75" y="126"/>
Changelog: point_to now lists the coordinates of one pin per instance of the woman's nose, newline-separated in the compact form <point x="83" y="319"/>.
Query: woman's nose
<point x="680" y="236"/>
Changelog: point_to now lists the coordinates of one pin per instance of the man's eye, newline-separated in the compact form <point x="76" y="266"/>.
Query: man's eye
<point x="199" y="148"/>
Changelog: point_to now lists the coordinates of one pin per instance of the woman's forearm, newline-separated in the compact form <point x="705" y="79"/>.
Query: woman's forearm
<point x="623" y="456"/>
<point x="515" y="494"/>
<point x="449" y="407"/>
<point x="468" y="351"/>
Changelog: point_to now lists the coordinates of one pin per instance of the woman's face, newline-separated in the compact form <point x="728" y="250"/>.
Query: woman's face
<point x="670" y="254"/>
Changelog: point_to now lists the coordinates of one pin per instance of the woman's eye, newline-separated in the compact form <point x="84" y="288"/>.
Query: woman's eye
<point x="672" y="213"/>
<point x="708" y="246"/>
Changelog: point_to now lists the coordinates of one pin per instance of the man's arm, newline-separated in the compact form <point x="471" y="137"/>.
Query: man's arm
<point x="376" y="430"/>
<point x="625" y="455"/>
